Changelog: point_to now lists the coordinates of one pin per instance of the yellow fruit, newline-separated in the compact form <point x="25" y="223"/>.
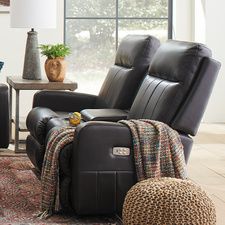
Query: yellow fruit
<point x="75" y="118"/>
<point x="77" y="114"/>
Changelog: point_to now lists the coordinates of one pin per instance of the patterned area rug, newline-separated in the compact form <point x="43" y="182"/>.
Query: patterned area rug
<point x="20" y="197"/>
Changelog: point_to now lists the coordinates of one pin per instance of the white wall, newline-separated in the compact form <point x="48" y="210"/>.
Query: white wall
<point x="183" y="20"/>
<point x="12" y="49"/>
<point x="215" y="36"/>
<point x="199" y="20"/>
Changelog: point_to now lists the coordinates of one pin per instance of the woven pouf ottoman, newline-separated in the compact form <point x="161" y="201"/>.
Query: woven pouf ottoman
<point x="168" y="201"/>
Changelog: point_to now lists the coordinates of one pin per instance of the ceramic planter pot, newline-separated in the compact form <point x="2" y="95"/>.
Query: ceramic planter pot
<point x="55" y="69"/>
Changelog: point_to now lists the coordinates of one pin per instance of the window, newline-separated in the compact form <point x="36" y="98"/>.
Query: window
<point x="94" y="28"/>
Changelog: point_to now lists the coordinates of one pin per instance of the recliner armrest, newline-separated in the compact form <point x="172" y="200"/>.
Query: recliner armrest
<point x="37" y="120"/>
<point x="97" y="173"/>
<point x="94" y="164"/>
<point x="112" y="115"/>
<point x="94" y="142"/>
<point x="64" y="100"/>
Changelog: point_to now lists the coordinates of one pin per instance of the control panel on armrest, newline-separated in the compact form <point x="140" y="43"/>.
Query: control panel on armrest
<point x="113" y="115"/>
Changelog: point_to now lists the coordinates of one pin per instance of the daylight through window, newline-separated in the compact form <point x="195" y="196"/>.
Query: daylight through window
<point x="94" y="28"/>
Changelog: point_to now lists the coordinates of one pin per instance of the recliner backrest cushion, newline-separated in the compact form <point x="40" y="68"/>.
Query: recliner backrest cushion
<point x="131" y="64"/>
<point x="174" y="69"/>
<point x="189" y="116"/>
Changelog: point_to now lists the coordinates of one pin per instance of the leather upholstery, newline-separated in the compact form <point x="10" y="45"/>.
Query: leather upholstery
<point x="40" y="122"/>
<point x="36" y="123"/>
<point x="112" y="115"/>
<point x="134" y="50"/>
<point x="101" y="168"/>
<point x="178" y="60"/>
<point x="36" y="152"/>
<point x="156" y="97"/>
<point x="64" y="100"/>
<point x="94" y="165"/>
<point x="175" y="91"/>
<point x="4" y="116"/>
<point x="132" y="61"/>
<point x="189" y="116"/>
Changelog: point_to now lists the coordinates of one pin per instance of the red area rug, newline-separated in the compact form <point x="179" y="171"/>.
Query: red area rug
<point x="20" y="197"/>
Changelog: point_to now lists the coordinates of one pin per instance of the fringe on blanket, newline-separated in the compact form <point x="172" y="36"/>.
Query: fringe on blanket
<point x="50" y="171"/>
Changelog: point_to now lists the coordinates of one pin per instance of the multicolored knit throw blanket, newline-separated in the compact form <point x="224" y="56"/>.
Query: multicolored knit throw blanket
<point x="158" y="151"/>
<point x="50" y="170"/>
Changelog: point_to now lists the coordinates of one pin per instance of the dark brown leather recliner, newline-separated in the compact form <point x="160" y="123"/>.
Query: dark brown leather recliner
<point x="4" y="114"/>
<point x="132" y="60"/>
<point x="94" y="180"/>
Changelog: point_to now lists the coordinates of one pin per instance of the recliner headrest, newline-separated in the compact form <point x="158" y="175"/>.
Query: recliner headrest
<point x="177" y="60"/>
<point x="134" y="49"/>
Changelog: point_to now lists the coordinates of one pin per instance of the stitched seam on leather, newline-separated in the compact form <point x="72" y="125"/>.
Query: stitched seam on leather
<point x="106" y="82"/>
<point x="111" y="81"/>
<point x="147" y="88"/>
<point x="159" y="99"/>
<point x="150" y="98"/>
<point x="107" y="97"/>
<point x="110" y="98"/>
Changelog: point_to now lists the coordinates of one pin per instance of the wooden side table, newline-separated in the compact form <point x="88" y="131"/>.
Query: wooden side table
<point x="18" y="84"/>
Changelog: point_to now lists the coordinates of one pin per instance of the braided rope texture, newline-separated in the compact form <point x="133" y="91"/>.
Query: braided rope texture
<point x="168" y="201"/>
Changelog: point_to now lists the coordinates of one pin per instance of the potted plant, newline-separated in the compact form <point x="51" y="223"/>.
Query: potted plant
<point x="55" y="65"/>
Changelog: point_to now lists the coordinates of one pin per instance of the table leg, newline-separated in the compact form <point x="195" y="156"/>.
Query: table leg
<point x="17" y="121"/>
<point x="10" y="114"/>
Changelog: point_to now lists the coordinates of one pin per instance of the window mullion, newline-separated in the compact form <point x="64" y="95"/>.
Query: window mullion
<point x="170" y="19"/>
<point x="117" y="23"/>
<point x="64" y="23"/>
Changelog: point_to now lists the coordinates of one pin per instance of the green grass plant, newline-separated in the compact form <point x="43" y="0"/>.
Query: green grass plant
<point x="55" y="51"/>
